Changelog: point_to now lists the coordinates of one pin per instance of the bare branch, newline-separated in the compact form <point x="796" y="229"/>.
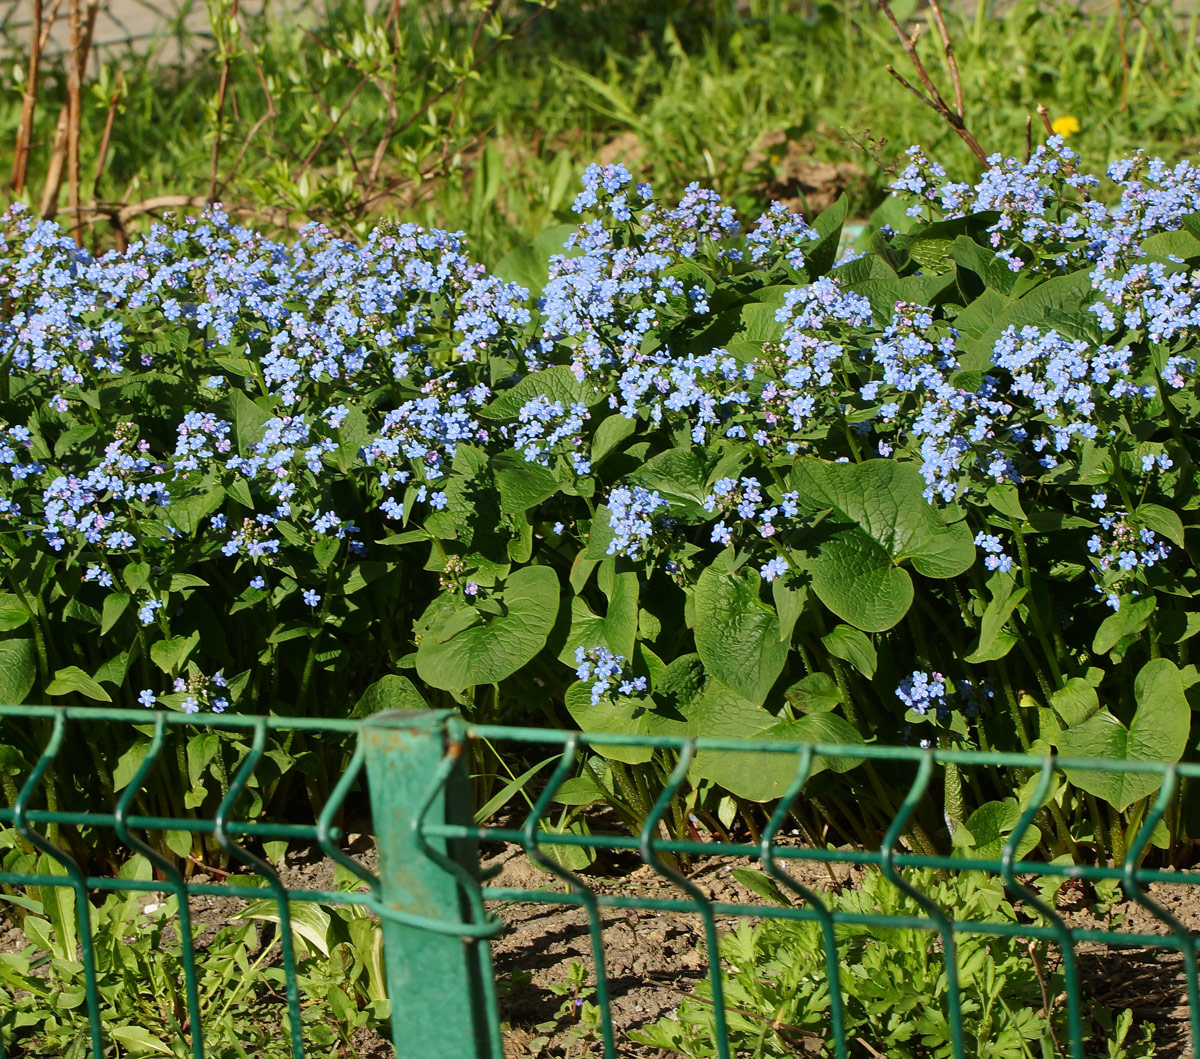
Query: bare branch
<point x="61" y="149"/>
<point x="954" y="118"/>
<point x="913" y="89"/>
<point x="222" y="90"/>
<point x="28" y="102"/>
<point x="108" y="124"/>
<point x="936" y="8"/>
<point x="1044" y="114"/>
<point x="909" y="46"/>
<point x="122" y="214"/>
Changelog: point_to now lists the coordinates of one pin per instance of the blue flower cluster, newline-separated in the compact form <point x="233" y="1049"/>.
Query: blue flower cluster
<point x="212" y="393"/>
<point x="193" y="693"/>
<point x="1120" y="550"/>
<point x="932" y="696"/>
<point x="632" y="514"/>
<point x="607" y="672"/>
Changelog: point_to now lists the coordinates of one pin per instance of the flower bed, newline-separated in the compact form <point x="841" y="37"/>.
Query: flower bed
<point x="681" y="478"/>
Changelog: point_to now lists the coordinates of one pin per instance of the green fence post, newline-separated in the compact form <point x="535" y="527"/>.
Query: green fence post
<point x="439" y="977"/>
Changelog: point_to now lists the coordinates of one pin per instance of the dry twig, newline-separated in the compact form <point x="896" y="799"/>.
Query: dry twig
<point x="1047" y="1002"/>
<point x="931" y="97"/>
<point x="81" y="46"/>
<point x="222" y="90"/>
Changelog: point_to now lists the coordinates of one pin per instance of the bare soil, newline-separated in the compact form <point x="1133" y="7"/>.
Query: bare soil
<point x="655" y="959"/>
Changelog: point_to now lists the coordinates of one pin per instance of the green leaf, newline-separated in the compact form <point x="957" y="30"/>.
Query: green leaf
<point x="819" y="256"/>
<point x="1057" y="303"/>
<point x="878" y="519"/>
<point x="239" y="490"/>
<point x="58" y="902"/>
<point x="169" y="655"/>
<point x="1130" y="620"/>
<point x="13" y="613"/>
<point x="762" y="884"/>
<point x="38" y="931"/>
<point x="815" y="693"/>
<point x="553" y="384"/>
<point x="115" y="604"/>
<point x="994" y="640"/>
<point x="760" y="776"/>
<point x="516" y="784"/>
<point x="994" y="272"/>
<point x="309" y="919"/>
<point x="1075" y="702"/>
<point x="992" y="823"/>
<point x="72" y="679"/>
<point x="626" y="716"/>
<point x="1158" y="732"/>
<point x="789" y="603"/>
<point x="249" y="418"/>
<point x="128" y="764"/>
<point x="529" y="265"/>
<point x="178" y="842"/>
<point x="498" y="645"/>
<point x="621" y="618"/>
<point x="201" y="749"/>
<point x="850" y="645"/>
<point x="136" y="576"/>
<point x="1162" y="520"/>
<point x="609" y="434"/>
<point x="737" y="634"/>
<point x="189" y="513"/>
<point x="1005" y="499"/>
<point x="18" y="670"/>
<point x="391" y="692"/>
<point x="678" y="475"/>
<point x="600" y="535"/>
<point x="522" y="484"/>
<point x="325" y="551"/>
<point x="587" y="630"/>
<point x="573" y="858"/>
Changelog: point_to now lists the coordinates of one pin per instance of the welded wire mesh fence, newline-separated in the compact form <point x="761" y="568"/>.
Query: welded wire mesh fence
<point x="438" y="912"/>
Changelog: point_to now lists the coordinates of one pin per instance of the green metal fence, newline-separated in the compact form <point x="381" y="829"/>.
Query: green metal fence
<point x="433" y="902"/>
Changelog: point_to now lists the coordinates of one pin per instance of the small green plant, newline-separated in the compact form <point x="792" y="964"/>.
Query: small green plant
<point x="777" y="996"/>
<point x="577" y="1013"/>
<point x="140" y="976"/>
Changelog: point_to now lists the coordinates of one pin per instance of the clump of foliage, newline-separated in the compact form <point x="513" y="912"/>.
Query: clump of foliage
<point x="893" y="982"/>
<point x="658" y="473"/>
<point x="139" y="974"/>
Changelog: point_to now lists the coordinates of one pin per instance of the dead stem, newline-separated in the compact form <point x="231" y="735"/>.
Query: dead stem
<point x="931" y="97"/>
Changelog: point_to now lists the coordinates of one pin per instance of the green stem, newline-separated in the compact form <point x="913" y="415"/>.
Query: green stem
<point x="852" y="714"/>
<point x="1013" y="706"/>
<point x="1035" y="613"/>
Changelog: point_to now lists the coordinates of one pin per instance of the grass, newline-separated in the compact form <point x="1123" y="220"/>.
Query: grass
<point x="389" y="111"/>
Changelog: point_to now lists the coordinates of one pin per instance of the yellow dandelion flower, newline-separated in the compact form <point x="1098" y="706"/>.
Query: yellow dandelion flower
<point x="1065" y="126"/>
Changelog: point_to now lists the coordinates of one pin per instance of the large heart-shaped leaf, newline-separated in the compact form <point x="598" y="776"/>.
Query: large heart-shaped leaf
<point x="390" y="692"/>
<point x="496" y="645"/>
<point x="677" y="475"/>
<point x="737" y="634"/>
<point x="879" y="519"/>
<point x="552" y="384"/>
<point x="688" y="702"/>
<point x="1158" y="732"/>
<point x="760" y="775"/>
